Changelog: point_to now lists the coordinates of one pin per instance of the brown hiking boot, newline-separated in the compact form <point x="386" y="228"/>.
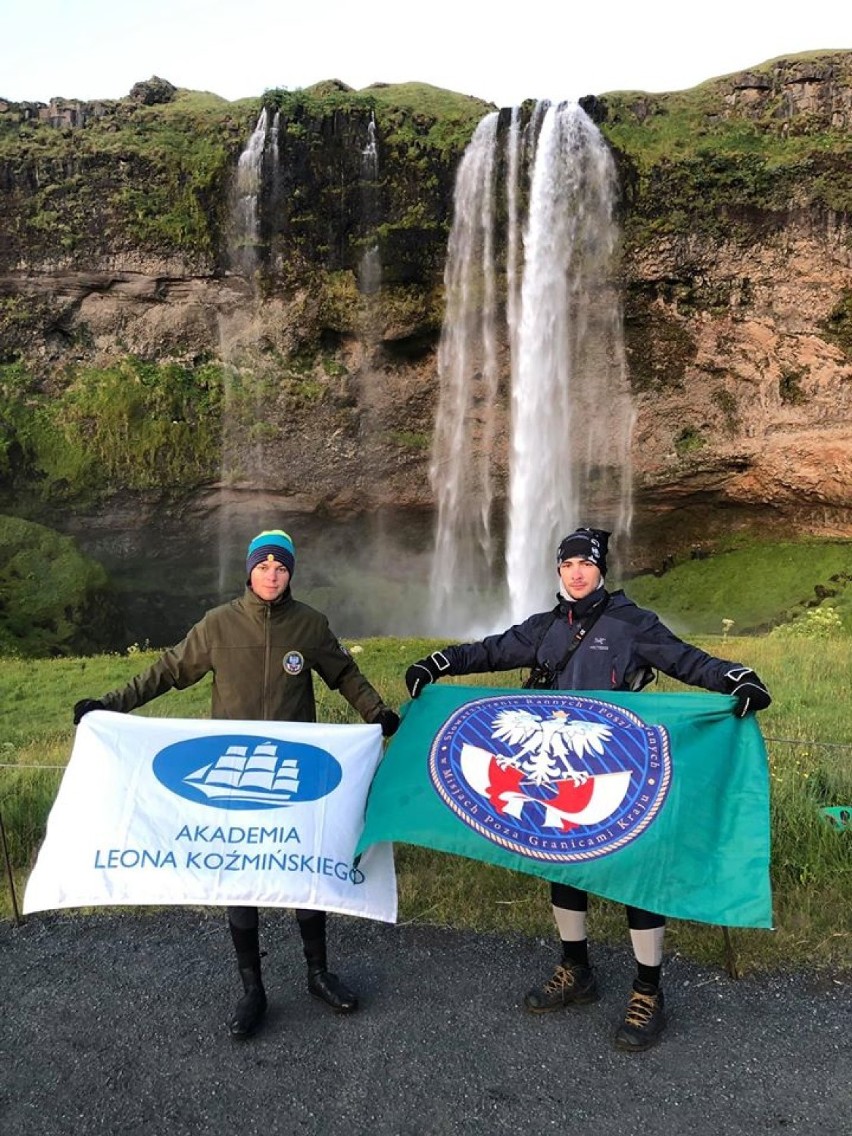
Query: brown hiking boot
<point x="571" y="984"/>
<point x="644" y="1019"/>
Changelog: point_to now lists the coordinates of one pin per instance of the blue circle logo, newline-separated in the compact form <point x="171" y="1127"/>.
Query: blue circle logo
<point x="237" y="771"/>
<point x="555" y="777"/>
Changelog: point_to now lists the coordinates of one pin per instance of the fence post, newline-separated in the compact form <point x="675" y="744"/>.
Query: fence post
<point x="730" y="954"/>
<point x="9" y="875"/>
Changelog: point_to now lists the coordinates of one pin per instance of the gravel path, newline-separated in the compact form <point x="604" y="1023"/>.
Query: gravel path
<point x="117" y="1024"/>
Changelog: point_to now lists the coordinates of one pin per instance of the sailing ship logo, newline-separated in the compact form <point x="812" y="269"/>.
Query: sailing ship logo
<point x="555" y="777"/>
<point x="243" y="772"/>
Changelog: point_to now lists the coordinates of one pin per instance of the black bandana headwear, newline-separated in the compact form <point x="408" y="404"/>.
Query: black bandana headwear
<point x="591" y="544"/>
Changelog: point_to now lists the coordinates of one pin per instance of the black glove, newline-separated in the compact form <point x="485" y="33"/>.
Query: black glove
<point x="749" y="691"/>
<point x="424" y="671"/>
<point x="83" y="707"/>
<point x="389" y="721"/>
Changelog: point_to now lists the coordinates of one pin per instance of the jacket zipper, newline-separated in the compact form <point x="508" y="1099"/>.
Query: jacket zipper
<point x="267" y="623"/>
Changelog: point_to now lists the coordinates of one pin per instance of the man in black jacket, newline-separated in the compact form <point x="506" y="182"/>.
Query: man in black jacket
<point x="628" y="645"/>
<point x="263" y="649"/>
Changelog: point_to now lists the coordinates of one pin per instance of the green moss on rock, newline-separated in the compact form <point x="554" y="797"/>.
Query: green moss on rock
<point x="132" y="425"/>
<point x="53" y="599"/>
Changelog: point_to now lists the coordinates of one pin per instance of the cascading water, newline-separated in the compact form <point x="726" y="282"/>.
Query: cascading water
<point x="370" y="264"/>
<point x="468" y="369"/>
<point x="570" y="410"/>
<point x="246" y="217"/>
<point x="240" y="461"/>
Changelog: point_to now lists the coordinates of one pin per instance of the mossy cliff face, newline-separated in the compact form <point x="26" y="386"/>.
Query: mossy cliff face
<point x="738" y="260"/>
<point x="125" y="265"/>
<point x="120" y="253"/>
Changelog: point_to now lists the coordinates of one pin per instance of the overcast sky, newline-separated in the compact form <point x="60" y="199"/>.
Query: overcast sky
<point x="503" y="53"/>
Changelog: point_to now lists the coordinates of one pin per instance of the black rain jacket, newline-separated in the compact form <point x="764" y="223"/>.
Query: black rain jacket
<point x="620" y="651"/>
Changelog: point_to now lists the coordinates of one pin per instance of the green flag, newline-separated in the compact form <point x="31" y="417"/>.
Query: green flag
<point x="660" y="801"/>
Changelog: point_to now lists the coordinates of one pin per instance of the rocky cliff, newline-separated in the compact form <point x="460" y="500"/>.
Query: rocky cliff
<point x="739" y="285"/>
<point x="121" y="239"/>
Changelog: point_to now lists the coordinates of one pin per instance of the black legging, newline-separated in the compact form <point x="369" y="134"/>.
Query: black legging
<point x="572" y="899"/>
<point x="243" y="923"/>
<point x="247" y="919"/>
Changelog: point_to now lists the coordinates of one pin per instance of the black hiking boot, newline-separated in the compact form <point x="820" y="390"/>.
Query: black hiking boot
<point x="571" y="984"/>
<point x="644" y="1019"/>
<point x="329" y="988"/>
<point x="251" y="1008"/>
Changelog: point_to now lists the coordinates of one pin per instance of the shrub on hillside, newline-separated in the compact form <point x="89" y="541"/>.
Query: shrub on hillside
<point x="816" y="623"/>
<point x="53" y="599"/>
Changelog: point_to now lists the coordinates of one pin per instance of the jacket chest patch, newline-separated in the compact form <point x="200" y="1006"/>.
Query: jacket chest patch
<point x="294" y="662"/>
<point x="599" y="643"/>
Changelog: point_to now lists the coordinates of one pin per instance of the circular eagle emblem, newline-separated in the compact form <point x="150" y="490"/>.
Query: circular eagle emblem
<point x="555" y="777"/>
<point x="294" y="662"/>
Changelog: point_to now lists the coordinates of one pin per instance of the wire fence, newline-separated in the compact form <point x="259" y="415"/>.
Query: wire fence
<point x="25" y="765"/>
<point x="839" y="816"/>
<point x="811" y="743"/>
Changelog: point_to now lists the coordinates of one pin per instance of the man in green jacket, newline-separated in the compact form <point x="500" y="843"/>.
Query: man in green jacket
<point x="262" y="650"/>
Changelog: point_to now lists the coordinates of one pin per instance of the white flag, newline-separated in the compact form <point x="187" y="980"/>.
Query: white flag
<point x="190" y="811"/>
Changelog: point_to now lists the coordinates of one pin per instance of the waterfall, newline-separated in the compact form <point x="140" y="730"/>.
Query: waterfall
<point x="370" y="264"/>
<point x="246" y="213"/>
<point x="242" y="457"/>
<point x="465" y="551"/>
<point x="513" y="248"/>
<point x="570" y="415"/>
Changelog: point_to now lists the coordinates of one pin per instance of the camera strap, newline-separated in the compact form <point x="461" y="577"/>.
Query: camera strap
<point x="586" y="624"/>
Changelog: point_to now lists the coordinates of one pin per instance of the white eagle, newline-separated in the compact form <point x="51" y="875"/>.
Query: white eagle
<point x="546" y="744"/>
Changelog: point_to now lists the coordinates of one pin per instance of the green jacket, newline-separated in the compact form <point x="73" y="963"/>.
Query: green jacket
<point x="262" y="657"/>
